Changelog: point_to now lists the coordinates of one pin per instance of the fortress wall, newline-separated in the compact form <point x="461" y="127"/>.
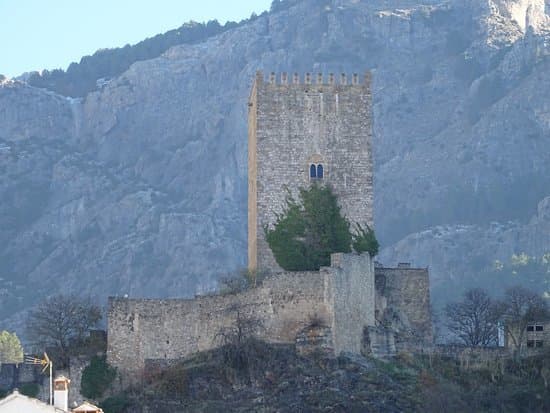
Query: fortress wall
<point x="294" y="124"/>
<point x="141" y="329"/>
<point x="353" y="300"/>
<point x="406" y="290"/>
<point x="342" y="295"/>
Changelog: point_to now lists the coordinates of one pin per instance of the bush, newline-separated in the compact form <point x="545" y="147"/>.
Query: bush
<point x="174" y="382"/>
<point x="96" y="378"/>
<point x="115" y="404"/>
<point x="29" y="389"/>
<point x="244" y="280"/>
<point x="364" y="240"/>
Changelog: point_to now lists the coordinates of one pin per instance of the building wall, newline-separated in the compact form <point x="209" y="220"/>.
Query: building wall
<point x="15" y="375"/>
<point x="293" y="124"/>
<point x="537" y="335"/>
<point x="342" y="295"/>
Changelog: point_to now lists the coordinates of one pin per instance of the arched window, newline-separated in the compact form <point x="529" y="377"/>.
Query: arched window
<point x="312" y="171"/>
<point x="320" y="171"/>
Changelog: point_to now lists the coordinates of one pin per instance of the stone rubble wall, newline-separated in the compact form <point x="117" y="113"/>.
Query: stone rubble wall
<point x="342" y="295"/>
<point x="404" y="293"/>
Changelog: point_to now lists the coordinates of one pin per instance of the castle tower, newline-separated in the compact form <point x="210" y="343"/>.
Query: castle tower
<point x="301" y="131"/>
<point x="61" y="393"/>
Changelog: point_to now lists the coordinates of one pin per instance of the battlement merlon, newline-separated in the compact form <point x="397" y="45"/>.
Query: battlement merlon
<point x="284" y="79"/>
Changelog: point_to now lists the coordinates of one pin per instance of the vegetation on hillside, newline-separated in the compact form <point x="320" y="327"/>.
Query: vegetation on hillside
<point x="275" y="378"/>
<point x="81" y="78"/>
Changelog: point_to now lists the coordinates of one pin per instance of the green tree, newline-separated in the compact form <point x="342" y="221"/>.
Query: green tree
<point x="308" y="231"/>
<point x="10" y="348"/>
<point x="96" y="378"/>
<point x="364" y="240"/>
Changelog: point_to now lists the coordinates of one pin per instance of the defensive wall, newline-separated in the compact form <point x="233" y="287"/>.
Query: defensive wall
<point x="341" y="295"/>
<point x="402" y="311"/>
<point x="405" y="292"/>
<point x="314" y="128"/>
<point x="13" y="376"/>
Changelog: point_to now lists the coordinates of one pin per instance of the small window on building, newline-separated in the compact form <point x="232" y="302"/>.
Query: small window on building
<point x="538" y="343"/>
<point x="530" y="343"/>
<point x="320" y="171"/>
<point x="312" y="171"/>
<point x="539" y="328"/>
<point x="530" y="328"/>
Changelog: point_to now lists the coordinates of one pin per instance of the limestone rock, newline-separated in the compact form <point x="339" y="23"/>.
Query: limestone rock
<point x="140" y="187"/>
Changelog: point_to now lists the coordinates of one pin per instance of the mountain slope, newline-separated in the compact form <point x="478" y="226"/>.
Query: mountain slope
<point x="140" y="187"/>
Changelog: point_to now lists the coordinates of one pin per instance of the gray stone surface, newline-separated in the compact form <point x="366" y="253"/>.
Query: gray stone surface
<point x="403" y="308"/>
<point x="285" y="304"/>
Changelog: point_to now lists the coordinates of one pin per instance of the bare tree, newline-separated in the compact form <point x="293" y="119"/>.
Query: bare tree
<point x="237" y="339"/>
<point x="243" y="329"/>
<point x="61" y="321"/>
<point x="474" y="319"/>
<point x="519" y="308"/>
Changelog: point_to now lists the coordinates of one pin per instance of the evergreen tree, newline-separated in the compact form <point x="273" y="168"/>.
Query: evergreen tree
<point x="10" y="348"/>
<point x="364" y="240"/>
<point x="309" y="231"/>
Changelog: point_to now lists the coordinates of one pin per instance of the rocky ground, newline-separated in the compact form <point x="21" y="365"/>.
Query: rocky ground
<point x="276" y="379"/>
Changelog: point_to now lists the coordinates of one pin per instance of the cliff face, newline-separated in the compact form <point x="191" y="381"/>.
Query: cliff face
<point x="140" y="187"/>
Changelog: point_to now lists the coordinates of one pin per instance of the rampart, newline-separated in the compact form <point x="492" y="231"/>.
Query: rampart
<point x="403" y="314"/>
<point x="341" y="295"/>
<point x="301" y="130"/>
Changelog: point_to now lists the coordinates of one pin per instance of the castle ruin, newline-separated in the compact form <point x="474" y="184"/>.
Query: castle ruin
<point x="301" y="131"/>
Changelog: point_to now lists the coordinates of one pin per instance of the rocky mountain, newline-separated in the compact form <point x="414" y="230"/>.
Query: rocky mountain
<point x="140" y="187"/>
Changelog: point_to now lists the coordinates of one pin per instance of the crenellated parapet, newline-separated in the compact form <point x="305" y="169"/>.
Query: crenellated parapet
<point x="308" y="78"/>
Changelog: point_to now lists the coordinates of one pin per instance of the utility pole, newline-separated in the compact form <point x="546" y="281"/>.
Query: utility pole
<point x="47" y="363"/>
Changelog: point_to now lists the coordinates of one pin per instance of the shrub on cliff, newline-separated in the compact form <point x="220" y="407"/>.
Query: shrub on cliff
<point x="308" y="231"/>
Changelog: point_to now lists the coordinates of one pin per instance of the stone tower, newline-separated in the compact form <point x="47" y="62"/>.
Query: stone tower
<point x="305" y="130"/>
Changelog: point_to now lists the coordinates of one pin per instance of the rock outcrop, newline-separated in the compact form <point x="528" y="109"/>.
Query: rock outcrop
<point x="140" y="187"/>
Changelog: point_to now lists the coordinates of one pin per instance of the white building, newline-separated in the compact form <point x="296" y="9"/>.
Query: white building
<point x="19" y="403"/>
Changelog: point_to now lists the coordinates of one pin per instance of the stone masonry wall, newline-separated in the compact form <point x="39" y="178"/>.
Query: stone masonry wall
<point x="294" y="123"/>
<point x="342" y="295"/>
<point x="406" y="291"/>
<point x="352" y="301"/>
